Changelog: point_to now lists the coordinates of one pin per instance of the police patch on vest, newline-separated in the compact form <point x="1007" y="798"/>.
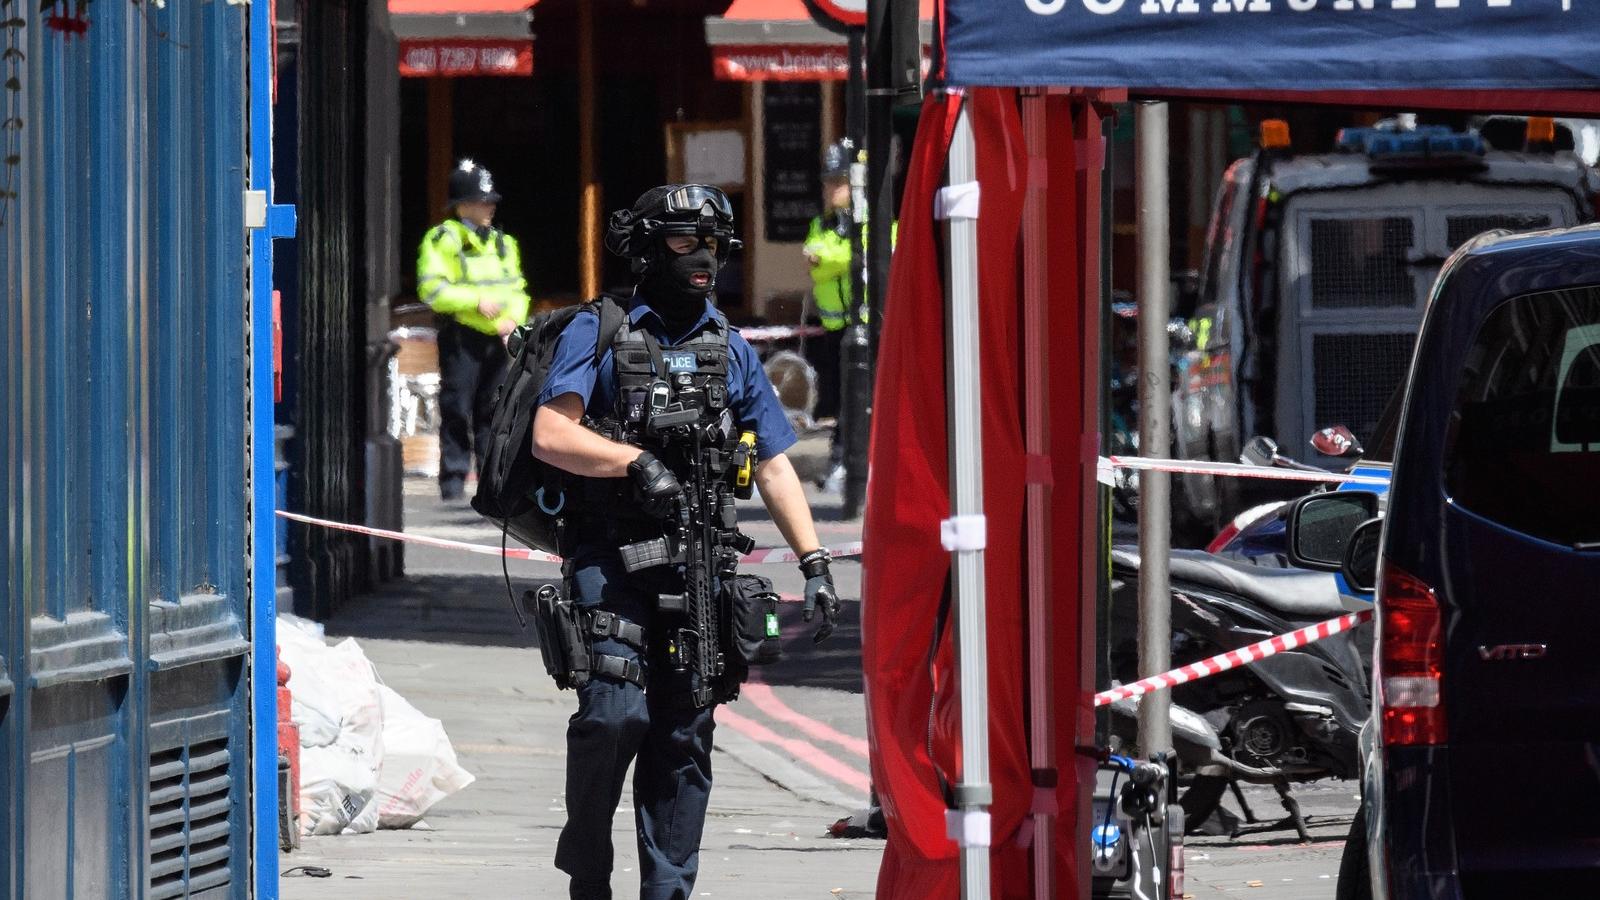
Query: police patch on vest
<point x="680" y="362"/>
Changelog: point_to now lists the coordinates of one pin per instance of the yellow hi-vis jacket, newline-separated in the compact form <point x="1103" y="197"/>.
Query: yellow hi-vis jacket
<point x="456" y="269"/>
<point x="830" y="277"/>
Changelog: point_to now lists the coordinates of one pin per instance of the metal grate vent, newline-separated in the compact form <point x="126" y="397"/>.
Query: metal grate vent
<point x="190" y="848"/>
<point x="1362" y="263"/>
<point x="1464" y="228"/>
<point x="1355" y="375"/>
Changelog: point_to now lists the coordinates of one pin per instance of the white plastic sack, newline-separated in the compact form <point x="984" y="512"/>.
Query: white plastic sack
<point x="419" y="765"/>
<point x="340" y="715"/>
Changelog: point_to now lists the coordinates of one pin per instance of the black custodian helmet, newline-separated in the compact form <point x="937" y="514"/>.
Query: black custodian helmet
<point x="471" y="182"/>
<point x="837" y="158"/>
<point x="696" y="209"/>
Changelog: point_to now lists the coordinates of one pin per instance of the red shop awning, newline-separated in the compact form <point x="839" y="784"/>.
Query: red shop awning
<point x="453" y="38"/>
<point x="777" y="40"/>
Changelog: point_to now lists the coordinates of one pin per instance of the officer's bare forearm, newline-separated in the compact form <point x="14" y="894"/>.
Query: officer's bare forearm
<point x="786" y="502"/>
<point x="560" y="439"/>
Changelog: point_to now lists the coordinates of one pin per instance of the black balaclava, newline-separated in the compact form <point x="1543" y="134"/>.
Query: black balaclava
<point x="668" y="284"/>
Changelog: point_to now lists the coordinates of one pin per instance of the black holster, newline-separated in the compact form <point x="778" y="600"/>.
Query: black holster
<point x="566" y="637"/>
<point x="561" y="641"/>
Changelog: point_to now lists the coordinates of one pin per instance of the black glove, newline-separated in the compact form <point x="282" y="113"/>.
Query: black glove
<point x="658" y="489"/>
<point x="819" y="592"/>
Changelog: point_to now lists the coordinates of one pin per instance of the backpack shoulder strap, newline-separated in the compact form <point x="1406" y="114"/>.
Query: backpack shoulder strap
<point x="725" y="332"/>
<point x="611" y="318"/>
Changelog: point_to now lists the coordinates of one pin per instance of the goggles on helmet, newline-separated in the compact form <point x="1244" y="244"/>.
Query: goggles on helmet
<point x="692" y="199"/>
<point x="695" y="209"/>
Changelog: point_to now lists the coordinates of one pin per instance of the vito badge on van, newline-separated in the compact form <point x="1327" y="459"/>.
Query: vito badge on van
<point x="1507" y="652"/>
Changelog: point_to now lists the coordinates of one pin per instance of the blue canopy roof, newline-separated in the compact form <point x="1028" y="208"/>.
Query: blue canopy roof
<point x="1274" y="45"/>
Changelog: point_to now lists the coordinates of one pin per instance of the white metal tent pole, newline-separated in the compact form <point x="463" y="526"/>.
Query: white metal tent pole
<point x="1155" y="405"/>
<point x="964" y="534"/>
<point x="1036" y="441"/>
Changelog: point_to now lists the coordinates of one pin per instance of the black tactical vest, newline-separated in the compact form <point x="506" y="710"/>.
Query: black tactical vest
<point x="650" y="378"/>
<point x="673" y="402"/>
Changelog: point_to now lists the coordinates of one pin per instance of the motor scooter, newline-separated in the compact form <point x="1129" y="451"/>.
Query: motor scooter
<point x="1291" y="717"/>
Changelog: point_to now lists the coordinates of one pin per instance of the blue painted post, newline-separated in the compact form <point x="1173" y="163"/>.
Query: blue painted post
<point x="263" y="526"/>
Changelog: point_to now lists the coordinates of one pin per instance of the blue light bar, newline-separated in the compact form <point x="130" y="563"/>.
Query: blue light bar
<point x="1424" y="143"/>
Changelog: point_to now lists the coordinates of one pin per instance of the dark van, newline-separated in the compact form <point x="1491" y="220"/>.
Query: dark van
<point x="1482" y="758"/>
<point x="1317" y="274"/>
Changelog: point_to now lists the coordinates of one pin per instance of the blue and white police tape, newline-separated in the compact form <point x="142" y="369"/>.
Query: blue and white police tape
<point x="763" y="333"/>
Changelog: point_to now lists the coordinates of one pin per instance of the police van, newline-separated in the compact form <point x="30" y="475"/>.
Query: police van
<point x="1317" y="270"/>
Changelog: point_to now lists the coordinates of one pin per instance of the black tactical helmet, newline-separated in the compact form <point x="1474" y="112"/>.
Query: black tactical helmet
<point x="697" y="209"/>
<point x="470" y="182"/>
<point x="837" y="158"/>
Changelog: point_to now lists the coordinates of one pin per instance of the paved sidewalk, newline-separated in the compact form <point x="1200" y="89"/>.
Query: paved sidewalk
<point x="497" y="837"/>
<point x="791" y="754"/>
<point x="446" y="640"/>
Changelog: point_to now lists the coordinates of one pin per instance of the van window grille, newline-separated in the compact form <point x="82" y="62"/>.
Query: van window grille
<point x="190" y="838"/>
<point x="1464" y="228"/>
<point x="1354" y="376"/>
<point x="1362" y="263"/>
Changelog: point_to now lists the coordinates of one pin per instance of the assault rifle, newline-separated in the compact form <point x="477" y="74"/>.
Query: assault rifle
<point x="704" y="540"/>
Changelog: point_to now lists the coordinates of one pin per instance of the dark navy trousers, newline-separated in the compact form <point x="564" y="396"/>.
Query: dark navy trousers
<point x="471" y="367"/>
<point x="617" y="723"/>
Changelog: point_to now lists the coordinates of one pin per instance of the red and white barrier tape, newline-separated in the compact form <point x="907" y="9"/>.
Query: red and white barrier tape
<point x="1234" y="658"/>
<point x="754" y="558"/>
<point x="762" y="333"/>
<point x="1228" y="470"/>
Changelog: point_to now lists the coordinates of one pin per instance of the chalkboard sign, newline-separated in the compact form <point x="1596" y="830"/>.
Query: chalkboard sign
<point x="792" y="141"/>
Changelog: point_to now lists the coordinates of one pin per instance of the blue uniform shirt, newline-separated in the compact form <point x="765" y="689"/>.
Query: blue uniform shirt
<point x="751" y="398"/>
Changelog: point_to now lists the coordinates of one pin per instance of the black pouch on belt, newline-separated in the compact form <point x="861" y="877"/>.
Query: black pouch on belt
<point x="752" y="605"/>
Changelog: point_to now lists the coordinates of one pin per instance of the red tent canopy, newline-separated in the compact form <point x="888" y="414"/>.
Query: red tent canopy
<point x="1043" y="201"/>
<point x="1039" y="160"/>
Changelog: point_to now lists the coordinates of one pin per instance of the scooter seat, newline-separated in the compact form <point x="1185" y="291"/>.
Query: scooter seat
<point x="1298" y="595"/>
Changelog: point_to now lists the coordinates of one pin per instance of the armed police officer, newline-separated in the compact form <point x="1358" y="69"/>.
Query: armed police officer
<point x="662" y="424"/>
<point x="470" y="273"/>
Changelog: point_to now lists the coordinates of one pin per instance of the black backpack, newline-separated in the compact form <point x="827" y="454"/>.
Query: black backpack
<point x="521" y="493"/>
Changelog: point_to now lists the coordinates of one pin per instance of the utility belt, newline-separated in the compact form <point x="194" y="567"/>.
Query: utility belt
<point x="567" y="634"/>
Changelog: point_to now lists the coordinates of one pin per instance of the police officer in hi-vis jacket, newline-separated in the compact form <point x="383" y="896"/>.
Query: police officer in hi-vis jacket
<point x="470" y="274"/>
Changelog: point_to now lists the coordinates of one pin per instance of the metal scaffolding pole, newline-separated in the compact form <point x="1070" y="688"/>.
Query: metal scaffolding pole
<point x="855" y="362"/>
<point x="1155" y="404"/>
<point x="965" y="532"/>
<point x="1040" y="496"/>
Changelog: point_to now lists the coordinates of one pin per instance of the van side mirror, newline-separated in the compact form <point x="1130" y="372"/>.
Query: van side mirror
<point x="1320" y="527"/>
<point x="1337" y="442"/>
<point x="1259" y="451"/>
<point x="1360" y="568"/>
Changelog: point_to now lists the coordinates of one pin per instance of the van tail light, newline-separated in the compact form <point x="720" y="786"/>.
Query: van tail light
<point x="1410" y="658"/>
